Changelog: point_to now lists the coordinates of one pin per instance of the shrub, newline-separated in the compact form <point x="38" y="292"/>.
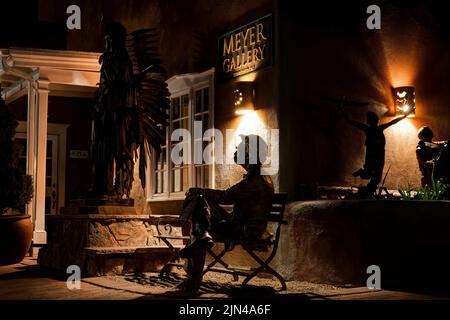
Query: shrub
<point x="16" y="188"/>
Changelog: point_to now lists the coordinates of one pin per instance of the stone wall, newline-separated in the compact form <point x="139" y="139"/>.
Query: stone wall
<point x="104" y="244"/>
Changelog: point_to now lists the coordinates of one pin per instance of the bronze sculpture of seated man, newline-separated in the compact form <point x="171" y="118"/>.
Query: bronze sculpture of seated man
<point x="251" y="199"/>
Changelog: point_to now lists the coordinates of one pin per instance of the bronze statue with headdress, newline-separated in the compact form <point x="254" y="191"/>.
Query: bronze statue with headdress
<point x="131" y="111"/>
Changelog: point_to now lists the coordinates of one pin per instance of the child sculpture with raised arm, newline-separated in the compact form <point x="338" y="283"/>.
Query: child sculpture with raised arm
<point x="372" y="169"/>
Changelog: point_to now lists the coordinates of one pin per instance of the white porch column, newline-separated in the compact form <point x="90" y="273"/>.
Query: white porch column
<point x="31" y="145"/>
<point x="40" y="235"/>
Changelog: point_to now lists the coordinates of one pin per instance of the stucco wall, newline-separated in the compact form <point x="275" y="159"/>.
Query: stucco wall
<point x="323" y="49"/>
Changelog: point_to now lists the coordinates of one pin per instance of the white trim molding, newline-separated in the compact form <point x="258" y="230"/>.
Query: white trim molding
<point x="69" y="73"/>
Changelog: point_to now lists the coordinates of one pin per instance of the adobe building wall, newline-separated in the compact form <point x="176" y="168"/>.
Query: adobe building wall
<point x="321" y="50"/>
<point x="188" y="33"/>
<point x="329" y="52"/>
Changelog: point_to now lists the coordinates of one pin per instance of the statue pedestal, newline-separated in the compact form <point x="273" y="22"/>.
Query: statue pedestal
<point x="104" y="238"/>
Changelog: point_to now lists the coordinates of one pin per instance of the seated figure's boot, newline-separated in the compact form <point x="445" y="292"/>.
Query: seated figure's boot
<point x="207" y="240"/>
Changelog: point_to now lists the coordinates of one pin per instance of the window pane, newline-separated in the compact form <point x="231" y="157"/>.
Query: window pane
<point x="175" y="125"/>
<point x="206" y="99"/>
<point x="198" y="101"/>
<point x="162" y="162"/>
<point x="165" y="184"/>
<point x="158" y="182"/>
<point x="205" y="121"/>
<point x="49" y="148"/>
<point x="185" y="123"/>
<point x="198" y="177"/>
<point x="175" y="108"/>
<point x="185" y="106"/>
<point x="164" y="158"/>
<point x="176" y="181"/>
<point x="49" y="167"/>
<point x="185" y="179"/>
<point x="185" y="109"/>
<point x="205" y="176"/>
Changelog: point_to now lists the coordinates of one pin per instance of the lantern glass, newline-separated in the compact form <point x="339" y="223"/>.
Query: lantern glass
<point x="405" y="100"/>
<point x="243" y="96"/>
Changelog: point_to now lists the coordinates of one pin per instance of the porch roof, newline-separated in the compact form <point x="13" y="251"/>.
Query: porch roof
<point x="68" y="73"/>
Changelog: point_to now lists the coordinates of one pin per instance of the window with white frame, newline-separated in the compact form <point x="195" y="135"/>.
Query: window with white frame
<point x="191" y="101"/>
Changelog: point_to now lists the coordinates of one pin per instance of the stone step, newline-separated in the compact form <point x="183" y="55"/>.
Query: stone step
<point x="125" y="260"/>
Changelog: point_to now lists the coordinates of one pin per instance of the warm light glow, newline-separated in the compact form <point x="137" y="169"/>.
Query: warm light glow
<point x="249" y="77"/>
<point x="242" y="112"/>
<point x="404" y="130"/>
<point x="406" y="108"/>
<point x="250" y="124"/>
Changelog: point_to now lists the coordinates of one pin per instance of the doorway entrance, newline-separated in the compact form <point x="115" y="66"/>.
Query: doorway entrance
<point x="55" y="163"/>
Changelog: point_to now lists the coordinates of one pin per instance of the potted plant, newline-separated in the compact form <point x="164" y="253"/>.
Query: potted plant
<point x="16" y="190"/>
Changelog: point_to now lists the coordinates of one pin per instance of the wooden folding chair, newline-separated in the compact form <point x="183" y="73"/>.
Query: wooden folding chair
<point x="276" y="216"/>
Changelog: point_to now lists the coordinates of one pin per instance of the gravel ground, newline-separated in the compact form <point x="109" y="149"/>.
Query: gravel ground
<point x="217" y="285"/>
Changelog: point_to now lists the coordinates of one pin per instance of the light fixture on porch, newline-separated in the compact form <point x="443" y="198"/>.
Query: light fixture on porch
<point x="404" y="99"/>
<point x="243" y="96"/>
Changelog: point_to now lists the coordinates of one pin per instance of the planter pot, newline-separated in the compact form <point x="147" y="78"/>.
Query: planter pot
<point x="16" y="233"/>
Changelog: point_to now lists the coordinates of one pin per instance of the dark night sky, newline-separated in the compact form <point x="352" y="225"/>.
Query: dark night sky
<point x="22" y="28"/>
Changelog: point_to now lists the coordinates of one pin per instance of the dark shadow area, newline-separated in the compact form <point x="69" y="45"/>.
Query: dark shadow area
<point x="232" y="290"/>
<point x="22" y="27"/>
<point x="33" y="272"/>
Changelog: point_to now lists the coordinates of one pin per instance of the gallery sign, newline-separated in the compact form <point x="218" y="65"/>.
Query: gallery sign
<point x="79" y="154"/>
<point x="246" y="49"/>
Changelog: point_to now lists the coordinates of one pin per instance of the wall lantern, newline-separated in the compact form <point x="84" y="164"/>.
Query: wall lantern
<point x="404" y="99"/>
<point x="243" y="96"/>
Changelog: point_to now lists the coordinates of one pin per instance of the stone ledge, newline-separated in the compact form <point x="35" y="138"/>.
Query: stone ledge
<point x="127" y="250"/>
<point x="100" y="209"/>
<point x="102" y="217"/>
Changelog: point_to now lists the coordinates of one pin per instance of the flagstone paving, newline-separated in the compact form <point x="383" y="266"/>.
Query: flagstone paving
<point x="27" y="281"/>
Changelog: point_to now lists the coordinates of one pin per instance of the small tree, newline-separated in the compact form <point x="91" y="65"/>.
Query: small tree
<point x="16" y="188"/>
